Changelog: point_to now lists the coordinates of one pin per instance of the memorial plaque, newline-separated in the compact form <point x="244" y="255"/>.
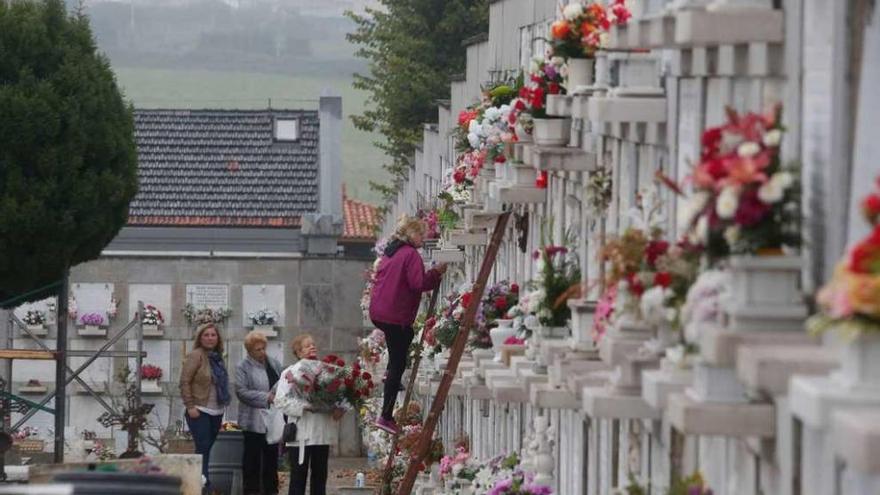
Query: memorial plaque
<point x="92" y="298"/>
<point x="98" y="373"/>
<point x="25" y="370"/>
<point x="213" y="296"/>
<point x="47" y="306"/>
<point x="158" y="295"/>
<point x="83" y="413"/>
<point x="43" y="421"/>
<point x="257" y="297"/>
<point x="158" y="354"/>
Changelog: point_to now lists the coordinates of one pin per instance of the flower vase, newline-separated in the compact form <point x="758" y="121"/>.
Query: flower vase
<point x="499" y="334"/>
<point x="152" y="331"/>
<point x="150" y="387"/>
<point x="580" y="74"/>
<point x="552" y="132"/>
<point x="860" y="362"/>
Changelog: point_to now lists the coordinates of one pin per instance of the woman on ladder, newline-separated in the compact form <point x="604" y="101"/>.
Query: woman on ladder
<point x="398" y="285"/>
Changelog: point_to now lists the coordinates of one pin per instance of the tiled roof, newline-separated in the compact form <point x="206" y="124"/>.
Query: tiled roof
<point x="224" y="168"/>
<point x="361" y="220"/>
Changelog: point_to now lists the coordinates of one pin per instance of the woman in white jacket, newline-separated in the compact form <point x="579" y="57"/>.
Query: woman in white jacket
<point x="316" y="431"/>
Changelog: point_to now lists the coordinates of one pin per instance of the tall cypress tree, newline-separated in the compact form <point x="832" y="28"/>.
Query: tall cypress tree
<point x="68" y="162"/>
<point x="413" y="47"/>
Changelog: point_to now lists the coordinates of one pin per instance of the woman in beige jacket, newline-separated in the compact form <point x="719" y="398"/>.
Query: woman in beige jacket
<point x="204" y="387"/>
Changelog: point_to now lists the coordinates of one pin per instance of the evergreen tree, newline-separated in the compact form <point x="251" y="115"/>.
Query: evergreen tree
<point x="68" y="163"/>
<point x="413" y="47"/>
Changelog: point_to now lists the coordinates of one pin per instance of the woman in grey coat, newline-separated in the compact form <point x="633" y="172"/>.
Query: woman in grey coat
<point x="255" y="379"/>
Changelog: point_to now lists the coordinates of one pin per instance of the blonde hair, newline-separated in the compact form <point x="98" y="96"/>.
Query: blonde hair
<point x="407" y="226"/>
<point x="253" y="338"/>
<point x="201" y="329"/>
<point x="297" y="342"/>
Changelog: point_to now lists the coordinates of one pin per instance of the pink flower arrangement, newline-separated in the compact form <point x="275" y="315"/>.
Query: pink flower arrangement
<point x="604" y="311"/>
<point x="744" y="201"/>
<point x="92" y="319"/>
<point x="151" y="372"/>
<point x="514" y="341"/>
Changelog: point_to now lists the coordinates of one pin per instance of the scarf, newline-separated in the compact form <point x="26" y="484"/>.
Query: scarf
<point x="221" y="378"/>
<point x="393" y="246"/>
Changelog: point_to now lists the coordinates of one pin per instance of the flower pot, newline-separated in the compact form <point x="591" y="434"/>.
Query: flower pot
<point x="267" y="330"/>
<point x="552" y="132"/>
<point x="765" y="294"/>
<point x="580" y="74"/>
<point x="92" y="331"/>
<point x="499" y="334"/>
<point x="38" y="330"/>
<point x="150" y="387"/>
<point x="860" y="362"/>
<point x="152" y="331"/>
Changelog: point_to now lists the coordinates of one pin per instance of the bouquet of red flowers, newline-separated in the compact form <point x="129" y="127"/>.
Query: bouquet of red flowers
<point x="329" y="384"/>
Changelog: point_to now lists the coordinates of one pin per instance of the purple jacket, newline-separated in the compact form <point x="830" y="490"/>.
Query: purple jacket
<point x="398" y="286"/>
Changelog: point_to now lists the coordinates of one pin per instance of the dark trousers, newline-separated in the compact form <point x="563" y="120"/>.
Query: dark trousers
<point x="259" y="465"/>
<point x="315" y="460"/>
<point x="204" y="431"/>
<point x="397" y="338"/>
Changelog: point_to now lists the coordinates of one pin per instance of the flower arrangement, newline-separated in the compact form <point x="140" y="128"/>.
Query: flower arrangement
<point x="599" y="191"/>
<point x="519" y="483"/>
<point x="264" y="316"/>
<point x="676" y="268"/>
<point x="34" y="317"/>
<point x="745" y="202"/>
<point x="92" y="319"/>
<point x="603" y="317"/>
<point x="497" y="301"/>
<point x="151" y="372"/>
<point x="152" y="316"/>
<point x="329" y="384"/>
<point x="690" y="485"/>
<point x="545" y="78"/>
<point x="369" y="274"/>
<point x="102" y="452"/>
<point x="703" y="302"/>
<point x="24" y="433"/>
<point x="72" y="308"/>
<point x="445" y="327"/>
<point x="558" y="272"/>
<point x="205" y="315"/>
<point x="113" y="307"/>
<point x="578" y="34"/>
<point x="229" y="426"/>
<point x="850" y="301"/>
<point x="371" y="348"/>
<point x="460" y="466"/>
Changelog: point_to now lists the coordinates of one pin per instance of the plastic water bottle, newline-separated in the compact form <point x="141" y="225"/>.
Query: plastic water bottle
<point x="360" y="480"/>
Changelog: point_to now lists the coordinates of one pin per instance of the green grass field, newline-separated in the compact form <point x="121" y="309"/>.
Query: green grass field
<point x="160" y="88"/>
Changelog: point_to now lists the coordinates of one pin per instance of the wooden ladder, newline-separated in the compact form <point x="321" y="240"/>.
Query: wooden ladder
<point x="458" y="345"/>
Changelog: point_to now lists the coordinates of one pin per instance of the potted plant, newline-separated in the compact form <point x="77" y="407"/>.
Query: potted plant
<point x="152" y="321"/>
<point x="558" y="274"/>
<point x="197" y="316"/>
<point x="150" y="376"/>
<point x="578" y="35"/>
<point x="850" y="304"/>
<point x="545" y="78"/>
<point x="746" y="211"/>
<point x="264" y="321"/>
<point x="25" y="441"/>
<point x="35" y="322"/>
<point x="92" y="325"/>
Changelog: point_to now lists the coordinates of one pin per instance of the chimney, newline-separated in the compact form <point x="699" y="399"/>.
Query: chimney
<point x="323" y="228"/>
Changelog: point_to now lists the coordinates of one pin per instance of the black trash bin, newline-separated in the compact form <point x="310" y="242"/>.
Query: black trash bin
<point x="224" y="468"/>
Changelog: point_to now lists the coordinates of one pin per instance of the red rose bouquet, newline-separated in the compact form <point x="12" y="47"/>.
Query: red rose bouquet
<point x="329" y="384"/>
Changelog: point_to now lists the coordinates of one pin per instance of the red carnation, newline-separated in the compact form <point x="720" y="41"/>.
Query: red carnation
<point x="663" y="279"/>
<point x="501" y="303"/>
<point x="367" y="376"/>
<point x="751" y="209"/>
<point x="553" y="88"/>
<point x="871" y="207"/>
<point x="458" y="176"/>
<point x="466" y="299"/>
<point x="635" y="285"/>
<point x="655" y="250"/>
<point x="340" y="363"/>
<point x="514" y="288"/>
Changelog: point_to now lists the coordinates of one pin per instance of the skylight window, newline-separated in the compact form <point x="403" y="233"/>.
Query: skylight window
<point x="286" y="129"/>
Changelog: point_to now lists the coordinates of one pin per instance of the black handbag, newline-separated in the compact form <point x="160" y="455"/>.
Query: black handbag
<point x="289" y="435"/>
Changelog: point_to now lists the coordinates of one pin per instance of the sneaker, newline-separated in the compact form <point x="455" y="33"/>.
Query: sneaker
<point x="387" y="425"/>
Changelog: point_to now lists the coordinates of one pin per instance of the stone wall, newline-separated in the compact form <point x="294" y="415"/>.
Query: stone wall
<point x="316" y="295"/>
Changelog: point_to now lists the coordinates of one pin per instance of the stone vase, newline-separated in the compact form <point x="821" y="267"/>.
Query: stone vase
<point x="499" y="334"/>
<point x="552" y="132"/>
<point x="860" y="362"/>
<point x="765" y="293"/>
<point x="580" y="74"/>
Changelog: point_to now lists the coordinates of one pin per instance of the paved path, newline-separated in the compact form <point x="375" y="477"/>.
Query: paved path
<point x="342" y="473"/>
